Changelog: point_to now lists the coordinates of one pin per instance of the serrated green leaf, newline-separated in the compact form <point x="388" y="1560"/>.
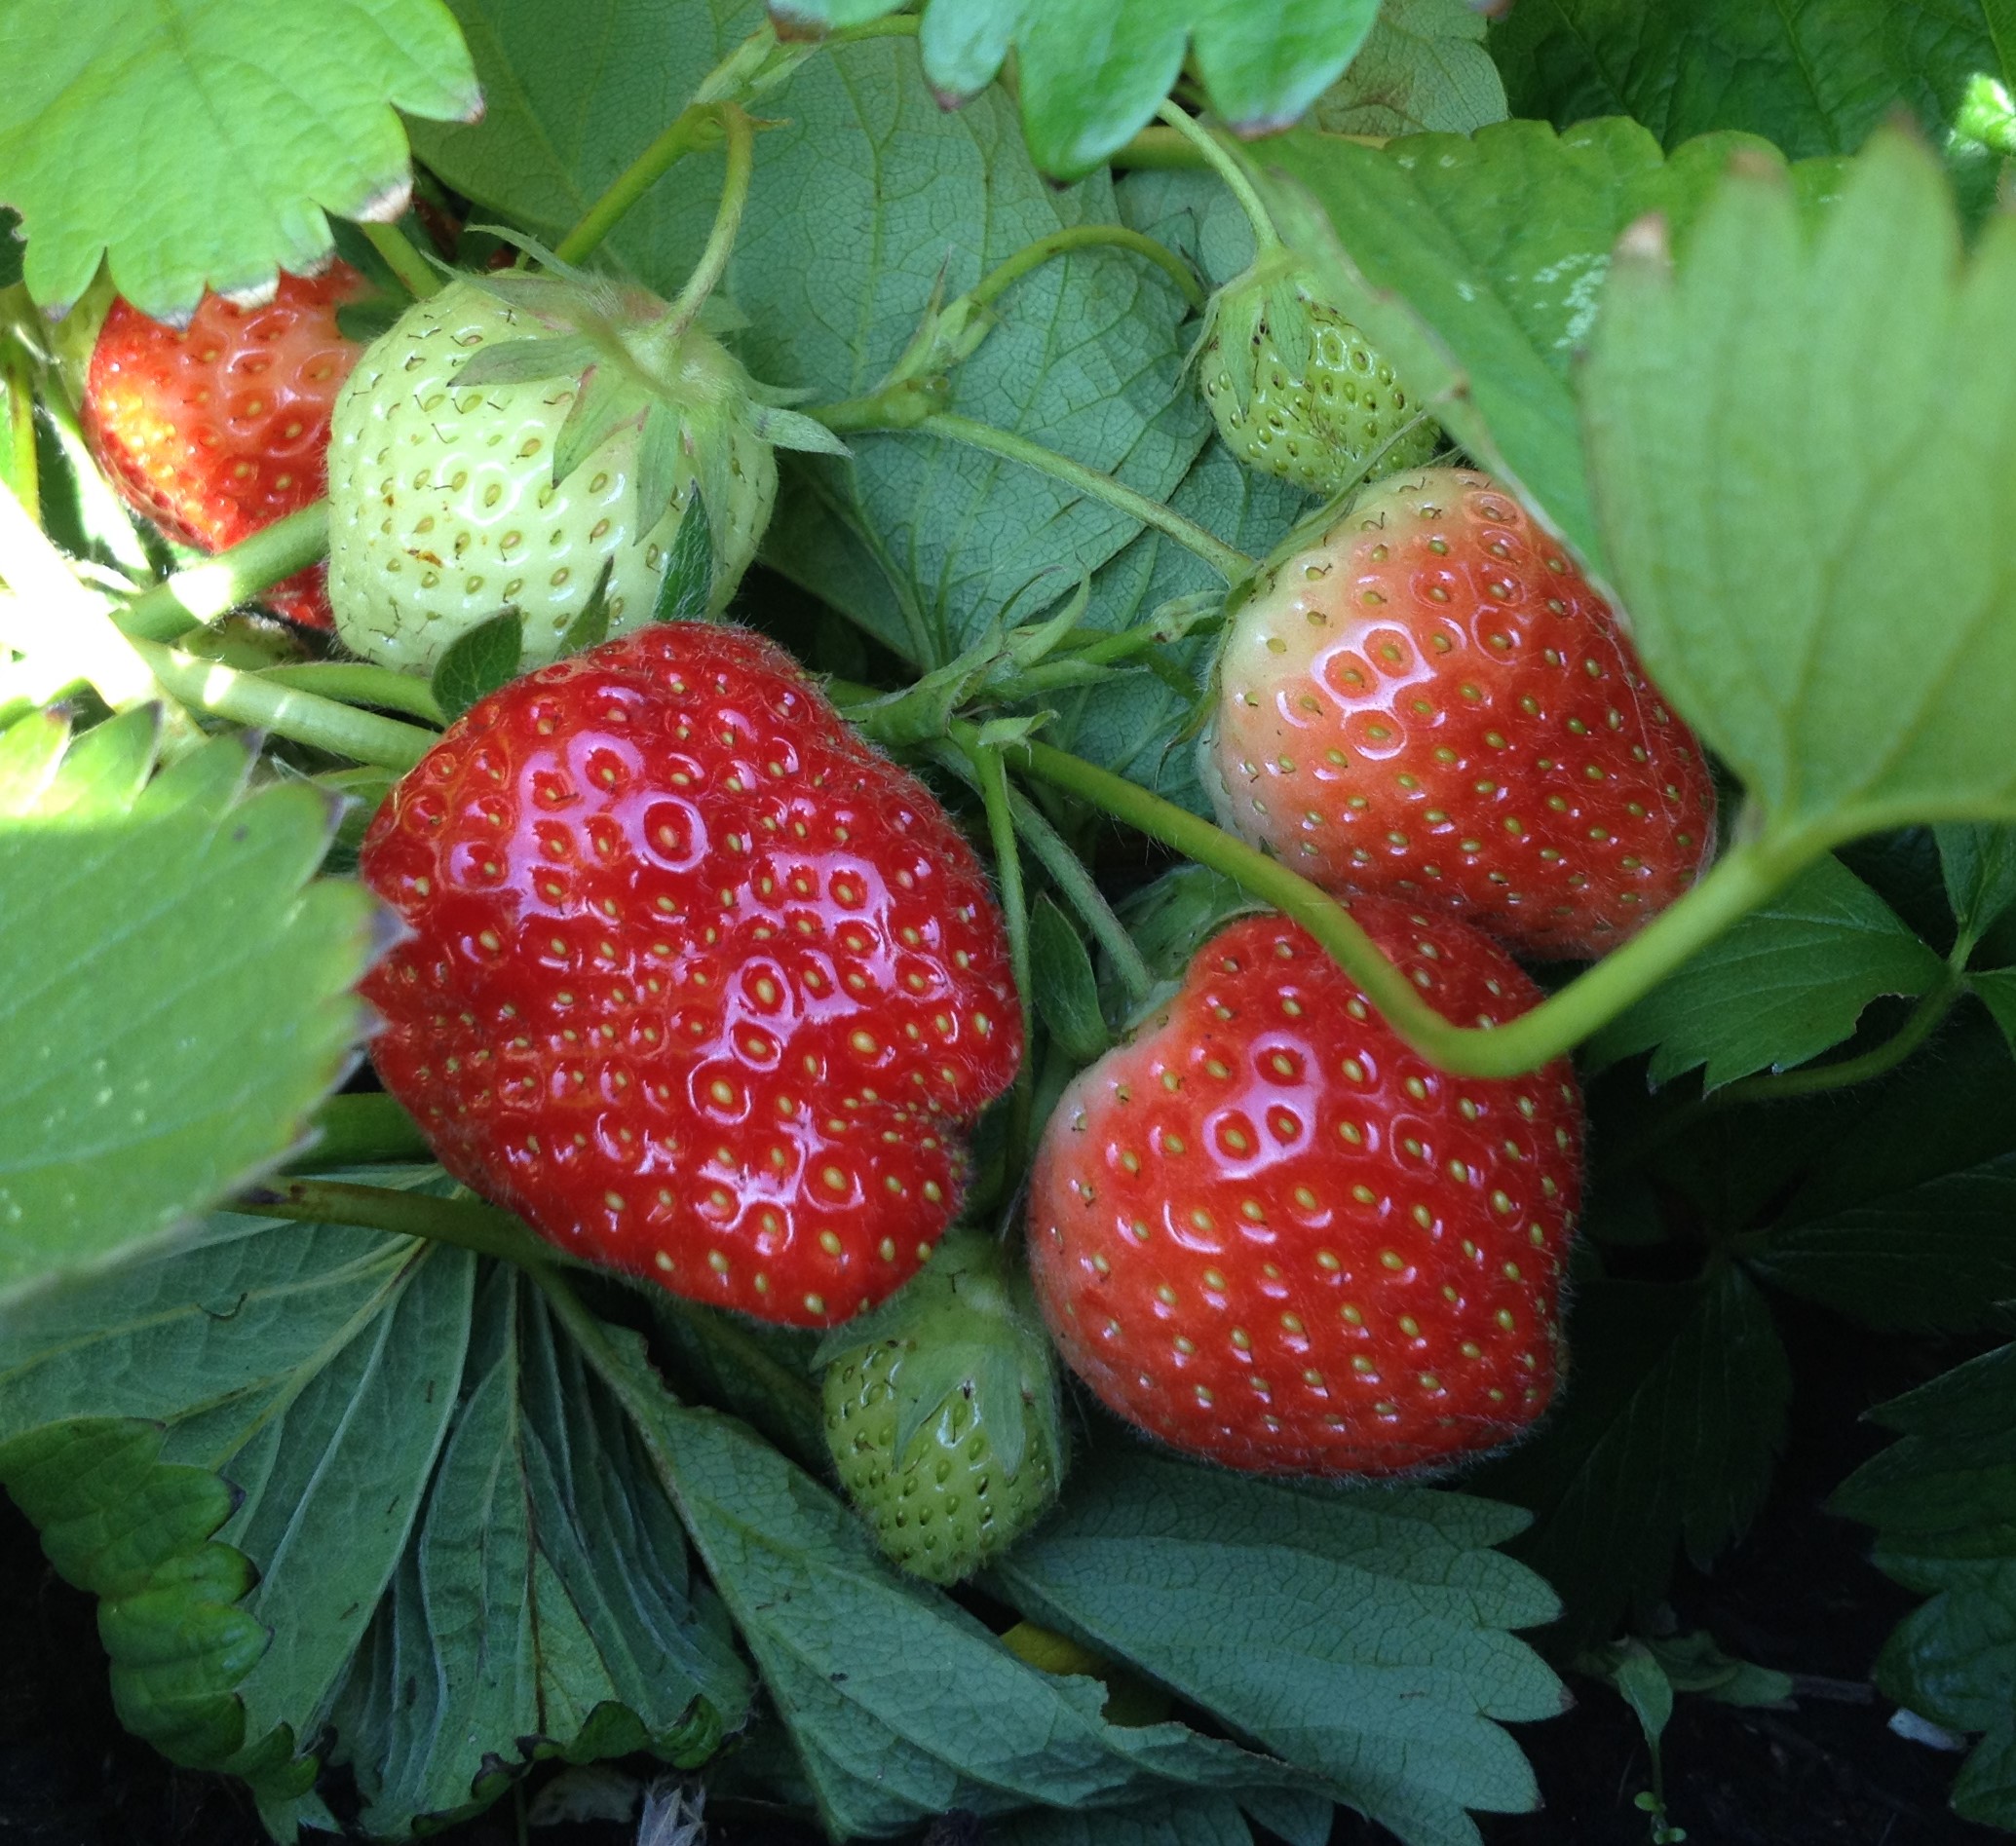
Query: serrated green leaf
<point x="591" y="628"/>
<point x="1978" y="865"/>
<point x="1476" y="263"/>
<point x="1425" y="69"/>
<point x="1841" y="635"/>
<point x="687" y="587"/>
<point x="1996" y="989"/>
<point x="179" y="988"/>
<point x="1782" y="985"/>
<point x="899" y="1704"/>
<point x="477" y="662"/>
<point x="452" y="1552"/>
<point x="98" y="100"/>
<point x="1668" y="1432"/>
<point x="1943" y="1500"/>
<point x="919" y="541"/>
<point x="1938" y="1257"/>
<point x="1814" y="78"/>
<point x="1067" y="994"/>
<point x="1389" y="1655"/>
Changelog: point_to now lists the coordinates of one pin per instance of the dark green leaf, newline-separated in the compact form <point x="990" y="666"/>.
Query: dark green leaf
<point x="1667" y="1430"/>
<point x="478" y="661"/>
<point x="1067" y="995"/>
<point x="99" y="98"/>
<point x="1937" y="1256"/>
<point x="437" y="1549"/>
<point x="1643" y="1683"/>
<point x="1979" y="864"/>
<point x="1785" y="984"/>
<point x="688" y="583"/>
<point x="364" y="320"/>
<point x="591" y="628"/>
<point x="178" y="985"/>
<point x="1387" y="1656"/>
<point x="1189" y="1820"/>
<point x="1998" y="990"/>
<point x="1768" y="596"/>
<point x="1815" y="78"/>
<point x="1943" y="1500"/>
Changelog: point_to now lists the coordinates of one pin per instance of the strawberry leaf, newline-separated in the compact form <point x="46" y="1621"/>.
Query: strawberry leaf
<point x="479" y="660"/>
<point x="591" y="628"/>
<point x="1814" y="78"/>
<point x="1476" y="265"/>
<point x="1067" y="994"/>
<point x="99" y="97"/>
<point x="1938" y="1257"/>
<point x="1425" y="69"/>
<point x="1387" y="1662"/>
<point x="1943" y="1501"/>
<point x="178" y="985"/>
<point x="1782" y="985"/>
<point x="1670" y="1433"/>
<point x="1996" y="989"/>
<point x="1843" y="637"/>
<point x="352" y="1497"/>
<point x="688" y="583"/>
<point x="1979" y="868"/>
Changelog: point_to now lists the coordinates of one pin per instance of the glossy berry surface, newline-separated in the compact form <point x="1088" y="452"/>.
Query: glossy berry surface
<point x="216" y="429"/>
<point x="1436" y="705"/>
<point x="698" y="983"/>
<point x="946" y="1505"/>
<point x="1268" y="1233"/>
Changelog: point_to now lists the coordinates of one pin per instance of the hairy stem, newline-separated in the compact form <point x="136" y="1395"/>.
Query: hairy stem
<point x="1229" y="563"/>
<point x="1079" y="236"/>
<point x="361" y="683"/>
<point x="735" y="196"/>
<point x="419" y="277"/>
<point x="467" y="1223"/>
<point x="1215" y="156"/>
<point x="1744" y="878"/>
<point x="253" y="698"/>
<point x="1014" y="905"/>
<point x="1814" y="1080"/>
<point x="204" y="591"/>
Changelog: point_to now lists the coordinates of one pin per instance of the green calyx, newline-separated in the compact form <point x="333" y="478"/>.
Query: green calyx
<point x="942" y="1413"/>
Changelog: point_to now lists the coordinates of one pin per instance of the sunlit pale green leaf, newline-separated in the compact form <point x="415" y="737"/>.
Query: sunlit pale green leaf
<point x="1843" y="632"/>
<point x="178" y="997"/>
<point x="268" y="118"/>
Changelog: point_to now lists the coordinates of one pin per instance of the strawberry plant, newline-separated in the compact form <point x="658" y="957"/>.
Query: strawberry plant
<point x="1139" y="924"/>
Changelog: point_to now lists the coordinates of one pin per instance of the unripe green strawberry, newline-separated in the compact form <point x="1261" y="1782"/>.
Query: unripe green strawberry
<point x="512" y="435"/>
<point x="941" y="1414"/>
<point x="1298" y="391"/>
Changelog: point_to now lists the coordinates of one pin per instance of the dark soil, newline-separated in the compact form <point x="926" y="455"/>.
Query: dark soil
<point x="1798" y="1594"/>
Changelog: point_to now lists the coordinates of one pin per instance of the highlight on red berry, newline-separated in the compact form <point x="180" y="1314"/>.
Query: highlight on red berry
<point x="1435" y="704"/>
<point x="1268" y="1233"/>
<point x="216" y="429"/>
<point x="697" y="983"/>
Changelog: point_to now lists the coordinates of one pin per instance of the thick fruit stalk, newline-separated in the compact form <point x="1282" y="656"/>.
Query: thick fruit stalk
<point x="941" y="1414"/>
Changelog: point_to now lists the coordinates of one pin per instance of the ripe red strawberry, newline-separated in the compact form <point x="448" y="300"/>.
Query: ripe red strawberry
<point x="1269" y="1234"/>
<point x="698" y="983"/>
<point x="1433" y="703"/>
<point x="216" y="429"/>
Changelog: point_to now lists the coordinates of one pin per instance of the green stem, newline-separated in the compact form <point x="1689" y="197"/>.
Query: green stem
<point x="361" y="683"/>
<point x="251" y="699"/>
<point x="467" y="1223"/>
<point x="1015" y="906"/>
<point x="1745" y="876"/>
<point x="1159" y="150"/>
<point x="735" y="195"/>
<point x="1264" y="236"/>
<point x="204" y="591"/>
<point x="419" y="276"/>
<point x="23" y="464"/>
<point x="364" y="1130"/>
<point x="696" y="125"/>
<point x="1814" y="1080"/>
<point x="1078" y="236"/>
<point x="1069" y="875"/>
<point x="1229" y="563"/>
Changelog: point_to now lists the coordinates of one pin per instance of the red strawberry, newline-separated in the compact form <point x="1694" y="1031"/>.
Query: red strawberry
<point x="220" y="428"/>
<point x="1269" y="1234"/>
<point x="698" y="983"/>
<point x="1433" y="703"/>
